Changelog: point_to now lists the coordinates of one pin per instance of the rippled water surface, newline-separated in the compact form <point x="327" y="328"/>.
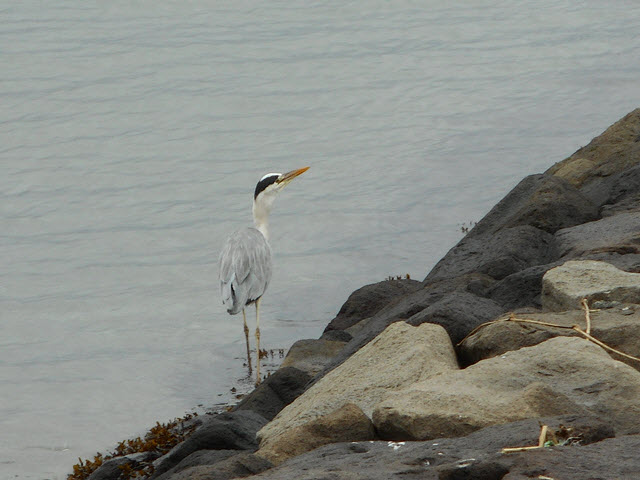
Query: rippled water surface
<point x="131" y="138"/>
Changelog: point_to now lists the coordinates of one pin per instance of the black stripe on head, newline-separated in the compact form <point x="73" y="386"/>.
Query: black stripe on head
<point x="265" y="182"/>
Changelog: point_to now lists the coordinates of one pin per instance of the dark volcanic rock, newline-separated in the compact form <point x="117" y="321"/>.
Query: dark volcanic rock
<point x="433" y="459"/>
<point x="336" y="336"/>
<point x="238" y="466"/>
<point x="541" y="201"/>
<point x="613" y="458"/>
<point x="618" y="235"/>
<point x="459" y="313"/>
<point x="226" y="431"/>
<point x="498" y="254"/>
<point x="520" y="289"/>
<point x="276" y="392"/>
<point x="618" y="193"/>
<point x="368" y="300"/>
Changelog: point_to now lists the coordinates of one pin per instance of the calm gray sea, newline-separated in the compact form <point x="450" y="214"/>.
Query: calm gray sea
<point x="131" y="138"/>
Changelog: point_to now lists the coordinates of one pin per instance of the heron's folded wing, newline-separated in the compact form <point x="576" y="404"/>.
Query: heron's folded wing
<point x="245" y="266"/>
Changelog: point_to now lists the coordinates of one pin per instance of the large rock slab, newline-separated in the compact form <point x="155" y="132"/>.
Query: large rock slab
<point x="400" y="356"/>
<point x="560" y="376"/>
<point x="347" y="424"/>
<point x="564" y="287"/>
<point x="474" y="456"/>
<point x="459" y="313"/>
<point x="618" y="233"/>
<point x="497" y="254"/>
<point x="617" y="193"/>
<point x="521" y="289"/>
<point x="617" y="327"/>
<point x="614" y="151"/>
<point x="368" y="300"/>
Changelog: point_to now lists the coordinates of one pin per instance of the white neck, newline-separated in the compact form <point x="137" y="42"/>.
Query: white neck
<point x="261" y="211"/>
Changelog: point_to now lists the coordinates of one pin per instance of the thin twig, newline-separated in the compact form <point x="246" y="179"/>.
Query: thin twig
<point x="542" y="438"/>
<point x="519" y="449"/>
<point x="604" y="345"/>
<point x="587" y="334"/>
<point x="536" y="322"/>
<point x="585" y="305"/>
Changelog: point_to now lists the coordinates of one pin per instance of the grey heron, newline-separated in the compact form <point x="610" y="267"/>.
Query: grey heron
<point x="245" y="259"/>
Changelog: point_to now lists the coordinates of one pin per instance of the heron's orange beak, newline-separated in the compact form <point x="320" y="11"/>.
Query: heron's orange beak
<point x="287" y="177"/>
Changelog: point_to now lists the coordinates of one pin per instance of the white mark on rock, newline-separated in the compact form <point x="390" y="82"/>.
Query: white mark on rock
<point x="395" y="445"/>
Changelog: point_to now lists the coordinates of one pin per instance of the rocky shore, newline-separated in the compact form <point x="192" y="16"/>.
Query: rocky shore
<point x="495" y="348"/>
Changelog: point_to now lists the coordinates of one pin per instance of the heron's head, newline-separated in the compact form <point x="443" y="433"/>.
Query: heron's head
<point x="266" y="192"/>
<point x="271" y="184"/>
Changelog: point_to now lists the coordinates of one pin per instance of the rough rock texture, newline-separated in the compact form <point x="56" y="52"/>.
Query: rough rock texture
<point x="586" y="207"/>
<point x="611" y="237"/>
<point x="560" y="376"/>
<point x="497" y="254"/>
<point x="432" y="459"/>
<point x="520" y="289"/>
<point x="238" y="466"/>
<point x="564" y="287"/>
<point x="276" y="392"/>
<point x="400" y="356"/>
<point x="200" y="457"/>
<point x="616" y="194"/>
<point x="458" y="313"/>
<point x="542" y="201"/>
<point x="346" y="424"/>
<point x="368" y="300"/>
<point x="311" y="356"/>
<point x="226" y="431"/>
<point x="404" y="307"/>
<point x="617" y="327"/>
<point x="616" y="150"/>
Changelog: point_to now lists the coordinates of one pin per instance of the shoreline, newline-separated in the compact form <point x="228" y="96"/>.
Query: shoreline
<point x="405" y="360"/>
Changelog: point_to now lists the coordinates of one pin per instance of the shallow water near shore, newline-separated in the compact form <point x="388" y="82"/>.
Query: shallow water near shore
<point x="132" y="139"/>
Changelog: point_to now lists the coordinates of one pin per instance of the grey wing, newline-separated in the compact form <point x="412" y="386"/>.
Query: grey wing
<point x="245" y="269"/>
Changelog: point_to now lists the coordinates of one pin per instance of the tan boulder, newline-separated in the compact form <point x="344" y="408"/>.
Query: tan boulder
<point x="617" y="327"/>
<point x="400" y="356"/>
<point x="560" y="376"/>
<point x="564" y="287"/>
<point x="346" y="424"/>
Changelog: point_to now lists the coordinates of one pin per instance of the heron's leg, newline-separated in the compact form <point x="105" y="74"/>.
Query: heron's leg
<point x="258" y="341"/>
<point x="246" y="337"/>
